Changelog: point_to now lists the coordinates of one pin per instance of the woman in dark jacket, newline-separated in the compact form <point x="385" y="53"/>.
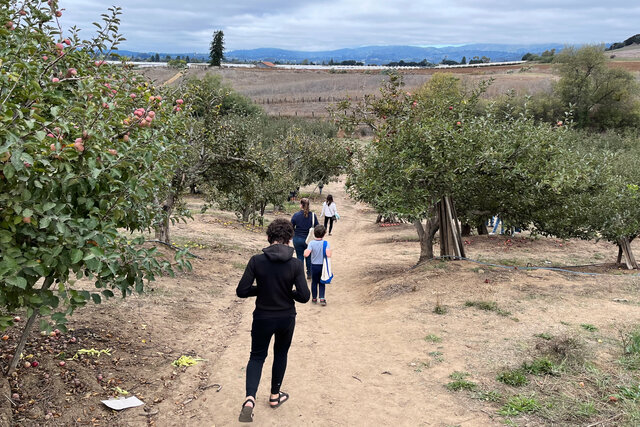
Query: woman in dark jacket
<point x="275" y="272"/>
<point x="302" y="221"/>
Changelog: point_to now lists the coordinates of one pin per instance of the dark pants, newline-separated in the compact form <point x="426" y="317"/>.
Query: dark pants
<point x="261" y="332"/>
<point x="316" y="272"/>
<point x="300" y="244"/>
<point x="329" y="219"/>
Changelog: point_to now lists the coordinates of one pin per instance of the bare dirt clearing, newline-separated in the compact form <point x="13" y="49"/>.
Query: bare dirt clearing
<point x="377" y="354"/>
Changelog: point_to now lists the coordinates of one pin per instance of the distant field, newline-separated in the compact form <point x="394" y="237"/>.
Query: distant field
<point x="308" y="93"/>
<point x="626" y="53"/>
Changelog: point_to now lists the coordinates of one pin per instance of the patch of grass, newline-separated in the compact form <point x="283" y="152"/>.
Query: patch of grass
<point x="586" y="410"/>
<point x="630" y="363"/>
<point x="631" y="342"/>
<point x="517" y="405"/>
<point x="433" y="338"/>
<point x="540" y="366"/>
<point x="544" y="336"/>
<point x="588" y="327"/>
<point x="487" y="306"/>
<point x="461" y="385"/>
<point x="437" y="356"/>
<point x="511" y="262"/>
<point x="459" y="375"/>
<point x="239" y="265"/>
<point x="515" y="378"/>
<point x="630" y="392"/>
<point x="488" y="396"/>
<point x="598" y="256"/>
<point x="440" y="309"/>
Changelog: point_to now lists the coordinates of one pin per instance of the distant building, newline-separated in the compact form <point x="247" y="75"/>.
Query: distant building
<point x="265" y="64"/>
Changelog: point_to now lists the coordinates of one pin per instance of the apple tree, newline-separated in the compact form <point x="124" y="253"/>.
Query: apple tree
<point x="432" y="149"/>
<point x="85" y="146"/>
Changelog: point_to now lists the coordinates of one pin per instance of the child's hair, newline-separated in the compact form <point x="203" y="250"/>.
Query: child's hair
<point x="329" y="200"/>
<point x="319" y="231"/>
<point x="280" y="231"/>
<point x="304" y="202"/>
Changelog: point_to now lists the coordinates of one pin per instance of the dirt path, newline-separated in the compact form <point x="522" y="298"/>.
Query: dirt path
<point x="350" y="362"/>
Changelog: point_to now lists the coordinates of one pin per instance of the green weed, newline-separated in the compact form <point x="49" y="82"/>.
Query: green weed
<point x="487" y="306"/>
<point x="515" y="378"/>
<point x="588" y="327"/>
<point x="544" y="336"/>
<point x="440" y="309"/>
<point x="461" y="385"/>
<point x="540" y="366"/>
<point x="517" y="405"/>
<point x="488" y="396"/>
<point x="458" y="375"/>
<point x="631" y="342"/>
<point x="630" y="393"/>
<point x="433" y="338"/>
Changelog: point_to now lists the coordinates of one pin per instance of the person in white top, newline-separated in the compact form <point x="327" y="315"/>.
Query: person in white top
<point x="329" y="212"/>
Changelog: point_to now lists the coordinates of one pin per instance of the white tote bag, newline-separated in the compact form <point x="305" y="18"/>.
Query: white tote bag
<point x="327" y="273"/>
<point x="311" y="235"/>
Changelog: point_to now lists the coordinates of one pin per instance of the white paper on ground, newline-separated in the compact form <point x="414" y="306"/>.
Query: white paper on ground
<point x="123" y="403"/>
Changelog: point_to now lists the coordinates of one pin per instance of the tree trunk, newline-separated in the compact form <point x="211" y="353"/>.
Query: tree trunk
<point x="481" y="228"/>
<point x="624" y="247"/>
<point x="246" y="212"/>
<point x="450" y="237"/>
<point x="27" y="330"/>
<point x="426" y="234"/>
<point x="466" y="230"/>
<point x="162" y="228"/>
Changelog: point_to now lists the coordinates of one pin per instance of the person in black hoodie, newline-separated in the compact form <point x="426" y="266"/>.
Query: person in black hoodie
<point x="276" y="273"/>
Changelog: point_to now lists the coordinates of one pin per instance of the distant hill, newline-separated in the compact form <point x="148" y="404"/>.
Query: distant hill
<point x="628" y="42"/>
<point x="368" y="54"/>
<point x="386" y="54"/>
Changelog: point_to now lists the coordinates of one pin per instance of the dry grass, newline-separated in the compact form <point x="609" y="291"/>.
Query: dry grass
<point x="308" y="93"/>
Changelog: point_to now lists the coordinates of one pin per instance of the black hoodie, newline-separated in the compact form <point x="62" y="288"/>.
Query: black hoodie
<point x="275" y="273"/>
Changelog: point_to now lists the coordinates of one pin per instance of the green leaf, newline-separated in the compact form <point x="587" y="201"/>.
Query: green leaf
<point x="19" y="282"/>
<point x="76" y="255"/>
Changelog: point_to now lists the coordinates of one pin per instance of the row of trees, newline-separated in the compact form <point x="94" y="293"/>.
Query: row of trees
<point x="438" y="155"/>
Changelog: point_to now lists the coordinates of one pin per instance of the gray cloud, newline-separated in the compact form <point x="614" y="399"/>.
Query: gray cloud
<point x="187" y="26"/>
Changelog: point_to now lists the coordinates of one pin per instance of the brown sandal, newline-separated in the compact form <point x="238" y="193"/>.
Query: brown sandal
<point x="246" y="415"/>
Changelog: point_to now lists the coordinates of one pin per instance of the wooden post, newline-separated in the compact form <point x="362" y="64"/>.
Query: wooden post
<point x="450" y="238"/>
<point x="625" y="247"/>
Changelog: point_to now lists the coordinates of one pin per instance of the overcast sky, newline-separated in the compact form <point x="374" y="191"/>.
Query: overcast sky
<point x="187" y="25"/>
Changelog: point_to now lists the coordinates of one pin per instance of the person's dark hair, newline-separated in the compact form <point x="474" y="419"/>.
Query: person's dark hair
<point x="304" y="204"/>
<point x="319" y="231"/>
<point x="280" y="231"/>
<point x="329" y="200"/>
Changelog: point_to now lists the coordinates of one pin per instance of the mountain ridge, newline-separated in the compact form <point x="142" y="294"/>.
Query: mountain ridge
<point x="370" y="54"/>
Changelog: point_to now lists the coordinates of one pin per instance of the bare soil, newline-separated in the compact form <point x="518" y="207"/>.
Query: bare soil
<point x="364" y="359"/>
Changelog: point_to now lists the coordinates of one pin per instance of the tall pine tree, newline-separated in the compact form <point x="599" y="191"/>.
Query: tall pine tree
<point x="216" y="52"/>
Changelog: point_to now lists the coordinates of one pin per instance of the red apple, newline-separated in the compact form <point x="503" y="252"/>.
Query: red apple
<point x="55" y="80"/>
<point x="10" y="25"/>
<point x="58" y="13"/>
<point x="62" y="363"/>
<point x="112" y="151"/>
<point x="27" y="364"/>
<point x="45" y="57"/>
<point x="67" y="42"/>
<point x="34" y="364"/>
<point x="26" y="219"/>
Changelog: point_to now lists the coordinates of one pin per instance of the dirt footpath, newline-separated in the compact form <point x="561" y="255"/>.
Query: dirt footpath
<point x="377" y="354"/>
<point x="350" y="362"/>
